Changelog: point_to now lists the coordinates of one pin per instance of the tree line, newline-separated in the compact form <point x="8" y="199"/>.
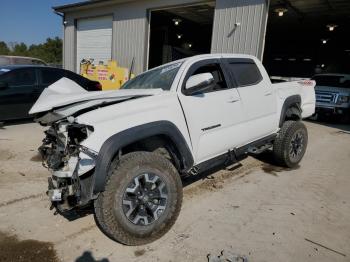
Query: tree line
<point x="50" y="51"/>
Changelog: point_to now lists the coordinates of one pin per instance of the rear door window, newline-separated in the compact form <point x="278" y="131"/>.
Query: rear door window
<point x="20" y="77"/>
<point x="244" y="71"/>
<point x="50" y="75"/>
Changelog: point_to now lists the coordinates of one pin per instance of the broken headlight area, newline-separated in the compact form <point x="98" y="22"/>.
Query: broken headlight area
<point x="70" y="164"/>
<point x="62" y="142"/>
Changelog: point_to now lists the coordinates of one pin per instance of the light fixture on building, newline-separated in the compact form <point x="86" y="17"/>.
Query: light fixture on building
<point x="189" y="45"/>
<point x="281" y="11"/>
<point x="323" y="65"/>
<point x="179" y="36"/>
<point x="292" y="59"/>
<point x="307" y="59"/>
<point x="331" y="27"/>
<point x="324" y="41"/>
<point x="177" y="21"/>
<point x="278" y="59"/>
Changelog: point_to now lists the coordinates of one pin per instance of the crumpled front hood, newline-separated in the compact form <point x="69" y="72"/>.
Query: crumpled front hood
<point x="66" y="92"/>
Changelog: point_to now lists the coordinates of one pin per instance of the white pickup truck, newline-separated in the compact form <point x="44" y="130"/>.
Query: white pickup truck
<point x="126" y="151"/>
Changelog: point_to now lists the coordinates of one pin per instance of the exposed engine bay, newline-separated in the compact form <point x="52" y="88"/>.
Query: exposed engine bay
<point x="67" y="160"/>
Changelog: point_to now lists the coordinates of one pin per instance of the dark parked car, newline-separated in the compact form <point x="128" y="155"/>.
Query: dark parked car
<point x="20" y="87"/>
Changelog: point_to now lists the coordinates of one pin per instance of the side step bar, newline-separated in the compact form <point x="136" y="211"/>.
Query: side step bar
<point x="235" y="155"/>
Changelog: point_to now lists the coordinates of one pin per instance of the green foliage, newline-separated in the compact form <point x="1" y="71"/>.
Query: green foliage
<point x="50" y="51"/>
<point x="4" y="50"/>
<point x="20" y="50"/>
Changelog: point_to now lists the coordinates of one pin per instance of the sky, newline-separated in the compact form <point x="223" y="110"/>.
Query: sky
<point x="30" y="21"/>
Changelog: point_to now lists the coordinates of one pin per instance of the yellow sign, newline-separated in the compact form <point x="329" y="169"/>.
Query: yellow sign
<point x="110" y="75"/>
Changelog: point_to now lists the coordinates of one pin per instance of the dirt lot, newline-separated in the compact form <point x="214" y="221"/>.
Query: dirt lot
<point x="253" y="209"/>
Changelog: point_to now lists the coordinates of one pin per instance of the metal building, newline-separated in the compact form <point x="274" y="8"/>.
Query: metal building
<point x="153" y="32"/>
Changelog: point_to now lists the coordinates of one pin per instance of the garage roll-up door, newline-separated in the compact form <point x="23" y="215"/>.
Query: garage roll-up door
<point x="94" y="39"/>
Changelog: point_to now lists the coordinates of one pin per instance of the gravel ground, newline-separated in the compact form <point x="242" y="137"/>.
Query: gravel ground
<point x="253" y="209"/>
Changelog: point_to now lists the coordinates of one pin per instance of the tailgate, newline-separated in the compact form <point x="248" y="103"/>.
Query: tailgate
<point x="308" y="98"/>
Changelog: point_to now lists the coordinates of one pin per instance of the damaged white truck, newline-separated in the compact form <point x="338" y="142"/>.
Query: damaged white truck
<point x="126" y="151"/>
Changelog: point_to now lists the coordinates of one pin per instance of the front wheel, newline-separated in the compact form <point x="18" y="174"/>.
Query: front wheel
<point x="142" y="199"/>
<point x="290" y="144"/>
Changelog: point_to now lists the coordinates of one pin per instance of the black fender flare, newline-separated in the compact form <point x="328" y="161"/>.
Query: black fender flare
<point x="292" y="100"/>
<point x="113" y="144"/>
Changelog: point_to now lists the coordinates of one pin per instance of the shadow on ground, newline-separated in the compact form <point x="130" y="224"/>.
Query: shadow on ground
<point x="87" y="257"/>
<point x="186" y="181"/>
<point x="3" y="125"/>
<point x="269" y="164"/>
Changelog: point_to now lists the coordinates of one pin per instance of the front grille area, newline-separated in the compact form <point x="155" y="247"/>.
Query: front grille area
<point x="325" y="97"/>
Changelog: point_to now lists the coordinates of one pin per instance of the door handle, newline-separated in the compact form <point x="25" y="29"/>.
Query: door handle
<point x="268" y="93"/>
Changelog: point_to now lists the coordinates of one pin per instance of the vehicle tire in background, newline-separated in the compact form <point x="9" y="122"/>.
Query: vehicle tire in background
<point x="142" y="198"/>
<point x="290" y="144"/>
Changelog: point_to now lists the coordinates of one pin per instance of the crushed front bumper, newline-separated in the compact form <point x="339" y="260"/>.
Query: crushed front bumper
<point x="71" y="186"/>
<point x="71" y="165"/>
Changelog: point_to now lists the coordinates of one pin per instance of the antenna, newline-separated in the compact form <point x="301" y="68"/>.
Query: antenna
<point x="131" y="67"/>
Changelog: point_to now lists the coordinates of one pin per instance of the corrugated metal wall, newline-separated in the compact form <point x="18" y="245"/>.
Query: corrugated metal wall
<point x="130" y="29"/>
<point x="239" y="27"/>
<point x="129" y="36"/>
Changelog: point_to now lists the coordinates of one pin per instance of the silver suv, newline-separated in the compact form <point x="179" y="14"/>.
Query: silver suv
<point x="20" y="60"/>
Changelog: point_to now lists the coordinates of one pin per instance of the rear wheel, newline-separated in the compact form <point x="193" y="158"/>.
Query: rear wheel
<point x="290" y="145"/>
<point x="142" y="199"/>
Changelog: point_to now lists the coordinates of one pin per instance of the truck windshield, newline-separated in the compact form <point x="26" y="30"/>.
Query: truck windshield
<point x="332" y="80"/>
<point x="161" y="77"/>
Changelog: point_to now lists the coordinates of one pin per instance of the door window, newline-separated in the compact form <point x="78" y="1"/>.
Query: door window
<point x="245" y="72"/>
<point x="21" y="77"/>
<point x="215" y="70"/>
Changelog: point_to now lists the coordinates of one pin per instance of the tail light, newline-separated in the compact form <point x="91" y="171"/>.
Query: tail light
<point x="307" y="83"/>
<point x="98" y="86"/>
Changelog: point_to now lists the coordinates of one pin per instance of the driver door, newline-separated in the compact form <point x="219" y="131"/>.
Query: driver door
<point x="213" y="116"/>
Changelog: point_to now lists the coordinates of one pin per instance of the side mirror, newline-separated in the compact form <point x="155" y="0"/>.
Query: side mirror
<point x="199" y="83"/>
<point x="3" y="85"/>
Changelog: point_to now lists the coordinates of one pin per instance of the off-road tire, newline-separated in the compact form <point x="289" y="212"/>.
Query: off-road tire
<point x="109" y="214"/>
<point x="283" y="143"/>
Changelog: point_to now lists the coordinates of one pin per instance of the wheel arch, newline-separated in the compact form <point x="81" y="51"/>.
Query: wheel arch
<point x="164" y="130"/>
<point x="291" y="109"/>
